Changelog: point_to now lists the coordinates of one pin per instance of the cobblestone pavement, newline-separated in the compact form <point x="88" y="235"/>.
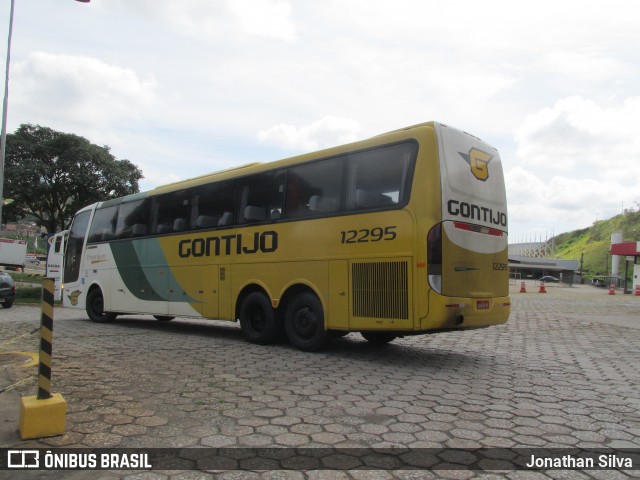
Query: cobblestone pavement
<point x="563" y="372"/>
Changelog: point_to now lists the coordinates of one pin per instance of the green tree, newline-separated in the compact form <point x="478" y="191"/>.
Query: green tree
<point x="51" y="175"/>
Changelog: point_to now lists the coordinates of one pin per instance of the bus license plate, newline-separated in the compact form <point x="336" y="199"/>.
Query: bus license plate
<point x="483" y="305"/>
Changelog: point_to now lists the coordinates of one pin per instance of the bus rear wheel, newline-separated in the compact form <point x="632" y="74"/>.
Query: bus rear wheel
<point x="378" y="338"/>
<point x="304" y="322"/>
<point x="258" y="320"/>
<point x="95" y="307"/>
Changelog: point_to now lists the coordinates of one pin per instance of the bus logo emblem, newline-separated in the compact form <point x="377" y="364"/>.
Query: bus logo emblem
<point x="478" y="161"/>
<point x="73" y="297"/>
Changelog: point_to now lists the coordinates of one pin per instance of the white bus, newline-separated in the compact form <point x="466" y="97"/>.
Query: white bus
<point x="55" y="257"/>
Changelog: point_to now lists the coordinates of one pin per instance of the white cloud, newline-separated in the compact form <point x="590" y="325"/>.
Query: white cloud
<point x="582" y="135"/>
<point x="80" y="89"/>
<point x="265" y="18"/>
<point x="156" y="177"/>
<point x="584" y="66"/>
<point x="222" y="20"/>
<point x="326" y="132"/>
<point x="576" y="160"/>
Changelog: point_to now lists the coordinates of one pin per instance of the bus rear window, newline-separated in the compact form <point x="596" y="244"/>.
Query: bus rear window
<point x="374" y="179"/>
<point x="380" y="178"/>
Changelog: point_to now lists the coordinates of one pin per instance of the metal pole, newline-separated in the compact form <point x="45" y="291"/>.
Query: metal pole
<point x="5" y="104"/>
<point x="46" y="339"/>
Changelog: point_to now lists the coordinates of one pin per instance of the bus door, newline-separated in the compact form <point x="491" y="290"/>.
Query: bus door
<point x="55" y="256"/>
<point x="137" y="285"/>
<point x="192" y="290"/>
<point x="189" y="287"/>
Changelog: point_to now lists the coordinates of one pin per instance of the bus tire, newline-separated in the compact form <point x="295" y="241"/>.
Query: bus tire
<point x="304" y="322"/>
<point x="378" y="338"/>
<point x="258" y="320"/>
<point x="163" y="318"/>
<point x="95" y="307"/>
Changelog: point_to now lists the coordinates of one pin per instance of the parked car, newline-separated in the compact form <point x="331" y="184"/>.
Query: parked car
<point x="32" y="259"/>
<point x="7" y="290"/>
<point x="549" y="279"/>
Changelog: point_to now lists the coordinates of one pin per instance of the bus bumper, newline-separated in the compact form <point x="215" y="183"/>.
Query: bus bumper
<point x="460" y="313"/>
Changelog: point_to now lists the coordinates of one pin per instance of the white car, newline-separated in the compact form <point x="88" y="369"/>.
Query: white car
<point x="32" y="259"/>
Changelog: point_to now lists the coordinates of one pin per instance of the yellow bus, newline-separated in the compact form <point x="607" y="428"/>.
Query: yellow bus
<point x="401" y="234"/>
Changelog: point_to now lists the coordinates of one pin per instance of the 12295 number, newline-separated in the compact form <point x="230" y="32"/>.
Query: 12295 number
<point x="366" y="235"/>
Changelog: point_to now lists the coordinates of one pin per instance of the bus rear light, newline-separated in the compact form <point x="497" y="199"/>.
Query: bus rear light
<point x="434" y="257"/>
<point x="478" y="229"/>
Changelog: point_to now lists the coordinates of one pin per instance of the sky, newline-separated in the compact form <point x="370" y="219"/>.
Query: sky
<point x="186" y="87"/>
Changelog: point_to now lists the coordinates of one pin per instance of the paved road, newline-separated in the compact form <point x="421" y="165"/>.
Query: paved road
<point x="563" y="372"/>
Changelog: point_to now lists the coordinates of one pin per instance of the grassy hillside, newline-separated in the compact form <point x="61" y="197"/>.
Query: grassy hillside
<point x="595" y="243"/>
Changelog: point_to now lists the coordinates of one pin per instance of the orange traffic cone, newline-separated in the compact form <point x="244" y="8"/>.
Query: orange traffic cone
<point x="523" y="289"/>
<point x="542" y="289"/>
<point x="637" y="294"/>
<point x="612" y="290"/>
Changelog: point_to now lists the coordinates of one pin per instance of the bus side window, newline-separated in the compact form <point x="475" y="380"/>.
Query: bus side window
<point x="380" y="178"/>
<point x="210" y="203"/>
<point x="314" y="188"/>
<point x="103" y="224"/>
<point x="132" y="219"/>
<point x="171" y="213"/>
<point x="261" y="197"/>
<point x="58" y="244"/>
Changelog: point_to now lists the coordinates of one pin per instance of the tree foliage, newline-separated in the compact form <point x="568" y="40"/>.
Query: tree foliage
<point x="50" y="175"/>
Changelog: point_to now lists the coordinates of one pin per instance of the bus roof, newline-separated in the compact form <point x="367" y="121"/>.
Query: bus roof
<point x="257" y="167"/>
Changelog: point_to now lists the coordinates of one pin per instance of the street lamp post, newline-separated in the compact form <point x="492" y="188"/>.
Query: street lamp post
<point x="5" y="105"/>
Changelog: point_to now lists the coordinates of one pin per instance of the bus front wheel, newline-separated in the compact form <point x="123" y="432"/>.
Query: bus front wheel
<point x="258" y="320"/>
<point x="304" y="322"/>
<point x="95" y="308"/>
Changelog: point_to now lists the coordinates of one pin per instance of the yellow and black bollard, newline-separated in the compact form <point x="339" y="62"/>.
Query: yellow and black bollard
<point x="44" y="414"/>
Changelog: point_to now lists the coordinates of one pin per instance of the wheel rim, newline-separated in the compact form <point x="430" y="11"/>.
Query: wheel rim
<point x="305" y="322"/>
<point x="98" y="305"/>
<point x="257" y="320"/>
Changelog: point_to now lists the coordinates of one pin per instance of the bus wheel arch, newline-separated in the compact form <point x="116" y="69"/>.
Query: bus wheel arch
<point x="304" y="319"/>
<point x="95" y="306"/>
<point x="291" y="291"/>
<point x="259" y="321"/>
